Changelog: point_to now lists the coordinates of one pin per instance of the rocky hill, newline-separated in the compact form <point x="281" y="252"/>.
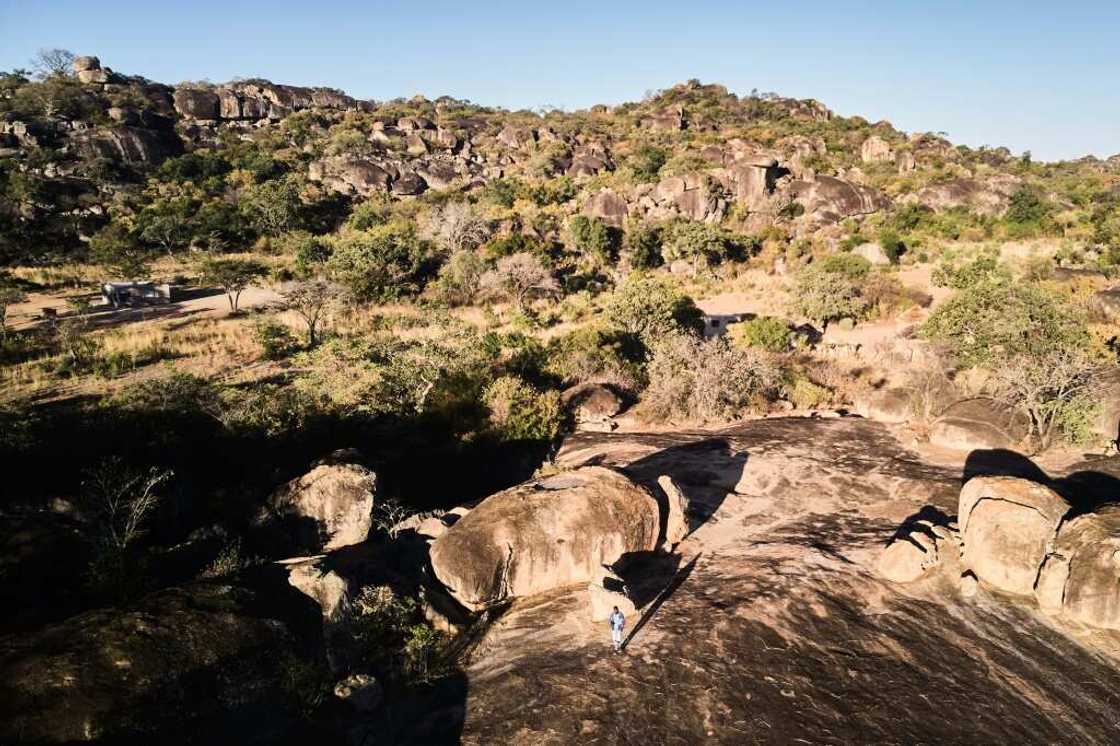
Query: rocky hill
<point x="77" y="150"/>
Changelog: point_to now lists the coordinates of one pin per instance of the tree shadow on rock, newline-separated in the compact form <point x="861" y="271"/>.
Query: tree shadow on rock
<point x="1088" y="486"/>
<point x="1001" y="462"/>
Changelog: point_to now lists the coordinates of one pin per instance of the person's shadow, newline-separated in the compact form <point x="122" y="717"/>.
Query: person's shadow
<point x="676" y="582"/>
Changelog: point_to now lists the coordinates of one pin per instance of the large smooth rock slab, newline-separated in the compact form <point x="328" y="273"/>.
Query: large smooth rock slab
<point x="544" y="534"/>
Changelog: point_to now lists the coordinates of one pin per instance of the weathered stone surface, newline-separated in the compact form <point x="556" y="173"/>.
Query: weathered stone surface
<point x="93" y="76"/>
<point x="676" y="518"/>
<point x="327" y="588"/>
<point x="1007" y="526"/>
<point x="889" y="405"/>
<point x="978" y="424"/>
<point x="904" y="561"/>
<point x="906" y="162"/>
<point x="129" y="144"/>
<point x="873" y="253"/>
<point x="988" y="197"/>
<point x="350" y="175"/>
<point x="591" y="402"/>
<point x="86" y="62"/>
<point x="876" y="150"/>
<point x="1078" y="580"/>
<point x="519" y="138"/>
<point x="329" y="507"/>
<point x="196" y="103"/>
<point x="361" y="691"/>
<point x="607" y="591"/>
<point x="544" y="534"/>
<point x="969" y="585"/>
<point x="608" y="206"/>
<point x="409" y="184"/>
<point x="830" y="199"/>
<point x="670" y="119"/>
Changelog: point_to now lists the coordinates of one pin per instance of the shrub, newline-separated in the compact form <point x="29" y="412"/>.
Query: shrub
<point x="651" y="307"/>
<point x="805" y="394"/>
<point x="993" y="322"/>
<point x="703" y="242"/>
<point x="701" y="380"/>
<point x="764" y="332"/>
<point x="509" y="245"/>
<point x="311" y="252"/>
<point x="643" y="246"/>
<point x="592" y="353"/>
<point x="594" y="239"/>
<point x="851" y="266"/>
<point x="824" y="296"/>
<point x="381" y="263"/>
<point x="647" y="162"/>
<point x="520" y="412"/>
<point x="375" y="211"/>
<point x="276" y="339"/>
<point x="1028" y="211"/>
<point x="984" y="268"/>
<point x="892" y="245"/>
<point x="459" y="278"/>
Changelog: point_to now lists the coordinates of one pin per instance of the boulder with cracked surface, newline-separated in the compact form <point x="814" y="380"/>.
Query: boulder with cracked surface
<point x="1008" y="526"/>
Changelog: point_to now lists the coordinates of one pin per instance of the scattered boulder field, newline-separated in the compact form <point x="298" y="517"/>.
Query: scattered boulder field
<point x="783" y="579"/>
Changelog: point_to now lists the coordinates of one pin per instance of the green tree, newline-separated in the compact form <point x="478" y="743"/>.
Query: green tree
<point x="647" y="162"/>
<point x="232" y="276"/>
<point x="651" y="307"/>
<point x="114" y="248"/>
<point x="991" y="323"/>
<point x="381" y="263"/>
<point x="167" y="223"/>
<point x="824" y="296"/>
<point x="594" y="239"/>
<point x="705" y="243"/>
<point x="643" y="246"/>
<point x="274" y="206"/>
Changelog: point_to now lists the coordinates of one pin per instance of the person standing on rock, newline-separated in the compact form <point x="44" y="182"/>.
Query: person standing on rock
<point x="617" y="622"/>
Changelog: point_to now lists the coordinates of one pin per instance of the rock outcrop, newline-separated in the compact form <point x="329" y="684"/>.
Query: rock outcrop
<point x="254" y="100"/>
<point x="990" y="197"/>
<point x="329" y="507"/>
<point x="876" y="150"/>
<point x="544" y="534"/>
<point x="1078" y="578"/>
<point x="1008" y="525"/>
<point x="591" y="405"/>
<point x="605" y="592"/>
<point x="978" y="424"/>
<point x="830" y="199"/>
<point x="205" y="657"/>
<point x="918" y="548"/>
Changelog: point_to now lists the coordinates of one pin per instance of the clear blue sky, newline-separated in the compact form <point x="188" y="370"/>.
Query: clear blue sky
<point x="1031" y="75"/>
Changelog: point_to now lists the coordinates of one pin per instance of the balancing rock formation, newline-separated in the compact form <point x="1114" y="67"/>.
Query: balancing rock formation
<point x="1022" y="538"/>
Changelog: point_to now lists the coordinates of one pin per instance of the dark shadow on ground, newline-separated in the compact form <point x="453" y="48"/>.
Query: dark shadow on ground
<point x="1089" y="484"/>
<point x="677" y="581"/>
<point x="705" y="471"/>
